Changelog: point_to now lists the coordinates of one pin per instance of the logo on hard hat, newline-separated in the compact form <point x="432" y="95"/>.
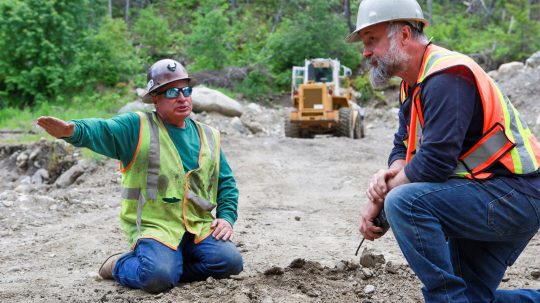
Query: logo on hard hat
<point x="149" y="85"/>
<point x="171" y="66"/>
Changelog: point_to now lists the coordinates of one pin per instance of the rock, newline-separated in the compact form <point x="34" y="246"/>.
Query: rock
<point x="136" y="106"/>
<point x="367" y="273"/>
<point x="297" y="263"/>
<point x="493" y="74"/>
<point x="22" y="160"/>
<point x="34" y="154"/>
<point x="255" y="107"/>
<point x="67" y="178"/>
<point x="210" y="280"/>
<point x="39" y="176"/>
<point x="267" y="299"/>
<point x="274" y="271"/>
<point x="238" y="126"/>
<point x="391" y="268"/>
<point x="535" y="273"/>
<point x="8" y="203"/>
<point x="370" y="259"/>
<point x="254" y="127"/>
<point x="8" y="195"/>
<point x="209" y="100"/>
<point x="24" y="187"/>
<point x="369" y="289"/>
<point x="533" y="61"/>
<point x="297" y="218"/>
<point x="509" y="68"/>
<point x="24" y="199"/>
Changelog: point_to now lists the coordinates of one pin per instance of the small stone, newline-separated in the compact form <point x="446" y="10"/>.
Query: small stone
<point x="367" y="273"/>
<point x="371" y="259"/>
<point x="369" y="289"/>
<point x="7" y="203"/>
<point x="210" y="280"/>
<point x="391" y="268"/>
<point x="535" y="273"/>
<point x="297" y="218"/>
<point x="297" y="263"/>
<point x="274" y="271"/>
<point x="267" y="299"/>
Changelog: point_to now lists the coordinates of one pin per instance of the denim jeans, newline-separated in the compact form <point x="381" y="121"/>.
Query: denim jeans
<point x="460" y="236"/>
<point x="154" y="267"/>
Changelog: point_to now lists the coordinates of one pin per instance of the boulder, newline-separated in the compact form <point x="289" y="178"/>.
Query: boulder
<point x="68" y="177"/>
<point x="533" y="61"/>
<point x="509" y="68"/>
<point x="136" y="106"/>
<point x="209" y="100"/>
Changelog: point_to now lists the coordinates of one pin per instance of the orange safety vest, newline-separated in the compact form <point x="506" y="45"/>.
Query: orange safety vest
<point x="505" y="136"/>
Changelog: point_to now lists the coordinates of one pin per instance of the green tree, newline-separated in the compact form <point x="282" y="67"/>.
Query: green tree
<point x="105" y="58"/>
<point x="208" y="44"/>
<point x="153" y="35"/>
<point x="312" y="32"/>
<point x="38" y="41"/>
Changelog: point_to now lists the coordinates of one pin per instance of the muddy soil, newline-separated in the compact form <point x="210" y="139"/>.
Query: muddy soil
<point x="297" y="230"/>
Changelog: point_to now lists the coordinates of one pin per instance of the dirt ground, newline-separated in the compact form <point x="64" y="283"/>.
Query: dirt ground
<point x="300" y="201"/>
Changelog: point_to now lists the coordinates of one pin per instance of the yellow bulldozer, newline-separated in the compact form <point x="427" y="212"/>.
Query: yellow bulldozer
<point x="322" y="98"/>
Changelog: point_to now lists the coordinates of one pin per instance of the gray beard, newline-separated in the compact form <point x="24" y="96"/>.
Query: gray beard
<point x="381" y="70"/>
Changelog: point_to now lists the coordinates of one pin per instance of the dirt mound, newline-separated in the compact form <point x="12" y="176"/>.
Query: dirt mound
<point x="523" y="88"/>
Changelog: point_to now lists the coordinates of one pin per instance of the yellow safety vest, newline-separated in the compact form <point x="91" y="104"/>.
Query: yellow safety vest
<point x="160" y="200"/>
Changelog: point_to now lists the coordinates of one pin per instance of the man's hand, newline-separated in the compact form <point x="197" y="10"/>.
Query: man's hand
<point x="378" y="187"/>
<point x="56" y="127"/>
<point x="367" y="227"/>
<point x="223" y="230"/>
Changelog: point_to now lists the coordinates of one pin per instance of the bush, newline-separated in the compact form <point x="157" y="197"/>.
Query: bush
<point x="105" y="58"/>
<point x="38" y="41"/>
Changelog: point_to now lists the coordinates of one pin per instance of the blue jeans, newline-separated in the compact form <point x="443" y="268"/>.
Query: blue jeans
<point x="460" y="236"/>
<point x="154" y="267"/>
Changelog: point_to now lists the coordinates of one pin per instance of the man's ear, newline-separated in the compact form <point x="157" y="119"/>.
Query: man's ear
<point x="405" y="35"/>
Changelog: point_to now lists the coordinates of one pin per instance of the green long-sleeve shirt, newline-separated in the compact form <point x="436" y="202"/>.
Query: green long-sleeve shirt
<point x="117" y="138"/>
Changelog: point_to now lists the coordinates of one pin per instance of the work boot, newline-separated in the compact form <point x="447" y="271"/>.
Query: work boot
<point x="106" y="269"/>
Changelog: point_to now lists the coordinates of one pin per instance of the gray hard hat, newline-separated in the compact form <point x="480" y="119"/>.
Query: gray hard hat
<point x="371" y="12"/>
<point x="161" y="73"/>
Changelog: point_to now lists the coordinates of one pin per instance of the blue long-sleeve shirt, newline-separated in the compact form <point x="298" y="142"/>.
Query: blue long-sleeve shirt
<point x="453" y="122"/>
<point x="117" y="138"/>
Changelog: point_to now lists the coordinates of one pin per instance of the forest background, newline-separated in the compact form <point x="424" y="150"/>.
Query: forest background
<point x="84" y="58"/>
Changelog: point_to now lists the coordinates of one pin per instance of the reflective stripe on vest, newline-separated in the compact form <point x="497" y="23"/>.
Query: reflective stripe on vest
<point x="506" y="138"/>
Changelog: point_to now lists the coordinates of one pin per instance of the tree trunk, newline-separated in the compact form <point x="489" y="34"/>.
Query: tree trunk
<point x="277" y="16"/>
<point x="233" y="5"/>
<point x="126" y="16"/>
<point x="347" y="11"/>
<point x="430" y="12"/>
<point x="110" y="9"/>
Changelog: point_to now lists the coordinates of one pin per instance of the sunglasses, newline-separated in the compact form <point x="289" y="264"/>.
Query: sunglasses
<point x="174" y="92"/>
